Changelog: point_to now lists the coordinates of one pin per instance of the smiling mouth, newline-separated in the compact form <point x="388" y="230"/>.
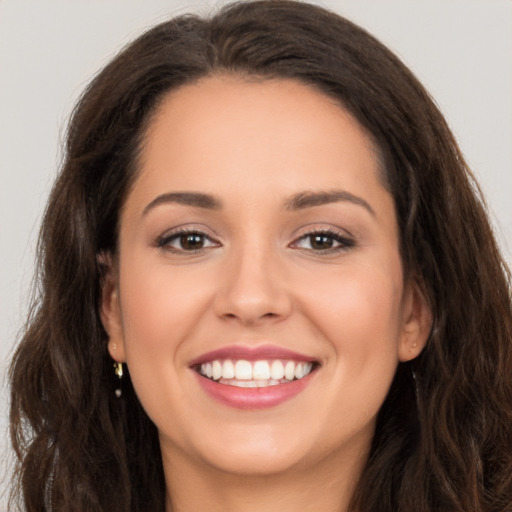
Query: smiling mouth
<point x="255" y="374"/>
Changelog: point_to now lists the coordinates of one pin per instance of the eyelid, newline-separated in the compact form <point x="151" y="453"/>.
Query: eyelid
<point x="345" y="240"/>
<point x="163" y="240"/>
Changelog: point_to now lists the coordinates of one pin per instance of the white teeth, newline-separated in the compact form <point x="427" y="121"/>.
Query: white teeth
<point x="228" y="370"/>
<point x="261" y="370"/>
<point x="253" y="383"/>
<point x="216" y="370"/>
<point x="246" y="384"/>
<point x="289" y="370"/>
<point x="277" y="370"/>
<point x="243" y="370"/>
<point x="261" y="373"/>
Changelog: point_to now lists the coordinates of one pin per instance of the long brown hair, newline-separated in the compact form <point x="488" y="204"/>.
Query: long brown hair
<point x="443" y="440"/>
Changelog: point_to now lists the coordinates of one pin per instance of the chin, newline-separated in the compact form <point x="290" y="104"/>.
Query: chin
<point x="256" y="462"/>
<point x="257" y="450"/>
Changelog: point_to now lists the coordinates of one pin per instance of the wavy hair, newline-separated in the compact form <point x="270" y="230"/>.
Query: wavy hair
<point x="443" y="438"/>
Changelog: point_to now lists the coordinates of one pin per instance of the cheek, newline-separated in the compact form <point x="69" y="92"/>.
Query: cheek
<point x="359" y="314"/>
<point x="160" y="305"/>
<point x="161" y="308"/>
<point x="358" y="311"/>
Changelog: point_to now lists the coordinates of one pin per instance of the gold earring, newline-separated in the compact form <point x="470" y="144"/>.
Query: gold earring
<point x="118" y="370"/>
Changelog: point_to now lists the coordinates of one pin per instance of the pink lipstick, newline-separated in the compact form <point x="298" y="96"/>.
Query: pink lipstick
<point x="253" y="377"/>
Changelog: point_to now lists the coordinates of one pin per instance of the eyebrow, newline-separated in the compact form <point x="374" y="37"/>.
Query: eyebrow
<point x="195" y="199"/>
<point x="309" y="199"/>
<point x="299" y="201"/>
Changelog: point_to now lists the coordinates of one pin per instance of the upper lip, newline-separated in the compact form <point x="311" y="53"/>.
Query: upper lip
<point x="250" y="353"/>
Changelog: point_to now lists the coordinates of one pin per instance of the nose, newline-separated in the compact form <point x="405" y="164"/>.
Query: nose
<point x="253" y="288"/>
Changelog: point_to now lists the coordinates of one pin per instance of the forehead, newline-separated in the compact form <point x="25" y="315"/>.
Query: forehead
<point x="261" y="123"/>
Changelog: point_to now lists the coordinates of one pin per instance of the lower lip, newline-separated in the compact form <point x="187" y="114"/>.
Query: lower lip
<point x="253" y="398"/>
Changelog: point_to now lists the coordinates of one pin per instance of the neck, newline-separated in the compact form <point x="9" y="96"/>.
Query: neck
<point x="328" y="486"/>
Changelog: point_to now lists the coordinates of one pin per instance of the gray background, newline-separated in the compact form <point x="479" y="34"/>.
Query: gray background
<point x="460" y="49"/>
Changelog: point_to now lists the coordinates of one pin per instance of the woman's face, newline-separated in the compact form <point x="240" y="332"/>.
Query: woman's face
<point x="256" y="246"/>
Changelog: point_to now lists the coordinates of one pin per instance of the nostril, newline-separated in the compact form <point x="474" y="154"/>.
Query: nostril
<point x="250" y="303"/>
<point x="269" y="315"/>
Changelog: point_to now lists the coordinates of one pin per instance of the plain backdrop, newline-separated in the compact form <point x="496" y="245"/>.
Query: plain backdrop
<point x="460" y="49"/>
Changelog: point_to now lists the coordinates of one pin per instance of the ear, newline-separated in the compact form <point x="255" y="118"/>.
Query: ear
<point x="417" y="321"/>
<point x="110" y="308"/>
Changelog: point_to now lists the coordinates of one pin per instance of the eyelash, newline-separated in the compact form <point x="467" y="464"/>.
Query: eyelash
<point x="344" y="242"/>
<point x="165" y="241"/>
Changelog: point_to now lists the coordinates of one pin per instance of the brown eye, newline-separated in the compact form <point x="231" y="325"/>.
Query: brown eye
<point x="186" y="241"/>
<point x="191" y="241"/>
<point x="324" y="242"/>
<point x="321" y="242"/>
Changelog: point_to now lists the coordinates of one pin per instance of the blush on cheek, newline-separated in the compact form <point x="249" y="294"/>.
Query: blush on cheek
<point x="358" y="314"/>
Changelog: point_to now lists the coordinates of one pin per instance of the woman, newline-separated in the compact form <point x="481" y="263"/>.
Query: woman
<point x="264" y="284"/>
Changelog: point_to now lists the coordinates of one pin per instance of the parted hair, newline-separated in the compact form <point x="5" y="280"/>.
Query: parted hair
<point x="443" y="440"/>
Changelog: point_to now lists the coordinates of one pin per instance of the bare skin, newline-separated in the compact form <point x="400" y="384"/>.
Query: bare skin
<point x="259" y="219"/>
<point x="330" y="489"/>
